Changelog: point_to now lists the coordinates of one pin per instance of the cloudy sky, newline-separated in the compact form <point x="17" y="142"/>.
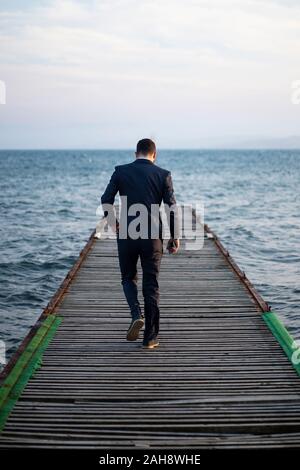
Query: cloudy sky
<point x="192" y="73"/>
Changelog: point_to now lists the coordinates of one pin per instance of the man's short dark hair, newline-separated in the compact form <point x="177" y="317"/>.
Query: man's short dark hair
<point x="145" y="147"/>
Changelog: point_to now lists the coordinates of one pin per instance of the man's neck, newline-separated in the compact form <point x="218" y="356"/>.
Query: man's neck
<point x="144" y="157"/>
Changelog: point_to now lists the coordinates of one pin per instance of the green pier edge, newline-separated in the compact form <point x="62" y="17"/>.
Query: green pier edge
<point x="284" y="338"/>
<point x="27" y="364"/>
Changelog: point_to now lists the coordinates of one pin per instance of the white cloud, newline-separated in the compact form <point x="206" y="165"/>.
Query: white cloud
<point x="159" y="61"/>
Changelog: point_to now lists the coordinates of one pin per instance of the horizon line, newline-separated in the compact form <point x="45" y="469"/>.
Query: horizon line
<point x="133" y="150"/>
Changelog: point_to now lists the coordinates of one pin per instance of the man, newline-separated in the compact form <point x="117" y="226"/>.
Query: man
<point x="144" y="183"/>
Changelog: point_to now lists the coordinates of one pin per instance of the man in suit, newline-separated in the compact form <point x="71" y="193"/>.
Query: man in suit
<point x="142" y="183"/>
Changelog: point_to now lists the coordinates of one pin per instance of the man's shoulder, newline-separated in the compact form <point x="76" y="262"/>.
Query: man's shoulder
<point x="123" y="167"/>
<point x="163" y="171"/>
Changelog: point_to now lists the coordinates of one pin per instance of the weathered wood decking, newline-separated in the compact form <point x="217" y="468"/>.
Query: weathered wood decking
<point x="219" y="378"/>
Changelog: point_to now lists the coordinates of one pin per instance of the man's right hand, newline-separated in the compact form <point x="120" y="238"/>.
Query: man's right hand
<point x="173" y="245"/>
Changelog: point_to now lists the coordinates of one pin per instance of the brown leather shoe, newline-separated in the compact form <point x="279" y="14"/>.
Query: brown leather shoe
<point x="134" y="329"/>
<point x="153" y="343"/>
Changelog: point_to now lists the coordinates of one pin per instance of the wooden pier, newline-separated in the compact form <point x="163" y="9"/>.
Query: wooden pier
<point x="221" y="378"/>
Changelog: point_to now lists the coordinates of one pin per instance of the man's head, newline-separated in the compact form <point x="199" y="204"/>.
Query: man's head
<point x="146" y="148"/>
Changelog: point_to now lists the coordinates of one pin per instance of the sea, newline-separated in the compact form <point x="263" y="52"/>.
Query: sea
<point x="48" y="202"/>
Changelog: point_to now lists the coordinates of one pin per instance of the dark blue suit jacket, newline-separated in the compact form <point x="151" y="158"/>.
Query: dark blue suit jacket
<point x="142" y="182"/>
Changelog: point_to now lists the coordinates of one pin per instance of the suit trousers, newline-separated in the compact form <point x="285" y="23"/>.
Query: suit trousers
<point x="150" y="253"/>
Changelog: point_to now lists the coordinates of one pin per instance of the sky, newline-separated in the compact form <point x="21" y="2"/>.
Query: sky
<point x="190" y="74"/>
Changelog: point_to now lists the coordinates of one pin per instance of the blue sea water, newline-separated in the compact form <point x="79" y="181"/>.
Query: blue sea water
<point x="48" y="201"/>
